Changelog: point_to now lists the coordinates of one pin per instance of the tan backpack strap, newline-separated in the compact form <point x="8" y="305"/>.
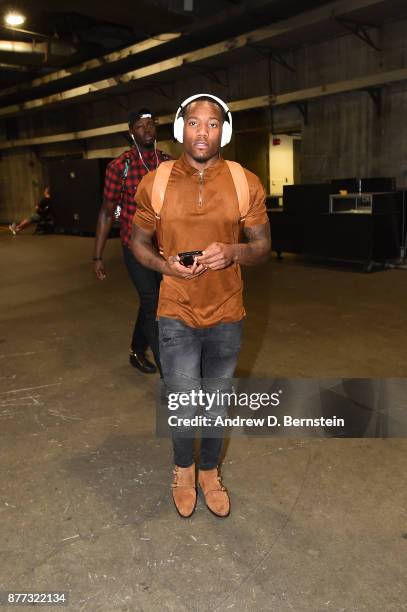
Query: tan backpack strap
<point x="241" y="186"/>
<point x="162" y="175"/>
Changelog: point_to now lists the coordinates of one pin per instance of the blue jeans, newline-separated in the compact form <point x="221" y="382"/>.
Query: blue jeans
<point x="193" y="359"/>
<point x="147" y="284"/>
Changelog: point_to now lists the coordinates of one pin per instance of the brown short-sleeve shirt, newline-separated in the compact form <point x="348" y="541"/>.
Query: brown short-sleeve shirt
<point x="198" y="209"/>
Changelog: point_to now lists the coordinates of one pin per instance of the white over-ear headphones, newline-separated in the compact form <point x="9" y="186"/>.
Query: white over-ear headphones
<point x="227" y="124"/>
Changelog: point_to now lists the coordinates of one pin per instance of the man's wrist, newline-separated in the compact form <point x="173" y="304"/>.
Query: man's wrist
<point x="236" y="253"/>
<point x="97" y="258"/>
<point x="166" y="268"/>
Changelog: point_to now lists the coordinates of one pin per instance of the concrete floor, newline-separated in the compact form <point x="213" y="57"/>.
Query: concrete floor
<point x="317" y="524"/>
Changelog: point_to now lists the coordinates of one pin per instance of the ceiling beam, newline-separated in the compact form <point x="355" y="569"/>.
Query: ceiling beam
<point x="309" y="18"/>
<point x="98" y="62"/>
<point x="294" y="97"/>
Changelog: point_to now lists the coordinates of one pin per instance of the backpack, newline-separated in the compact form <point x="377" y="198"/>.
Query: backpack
<point x="160" y="183"/>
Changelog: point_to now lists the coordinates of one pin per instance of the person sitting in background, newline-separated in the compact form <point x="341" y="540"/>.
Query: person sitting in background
<point x="42" y="210"/>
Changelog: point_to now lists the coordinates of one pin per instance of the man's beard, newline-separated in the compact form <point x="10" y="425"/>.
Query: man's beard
<point x="205" y="157"/>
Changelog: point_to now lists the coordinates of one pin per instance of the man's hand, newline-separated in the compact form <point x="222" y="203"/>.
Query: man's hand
<point x="217" y="255"/>
<point x="147" y="254"/>
<point x="104" y="224"/>
<point x="174" y="268"/>
<point x="99" y="269"/>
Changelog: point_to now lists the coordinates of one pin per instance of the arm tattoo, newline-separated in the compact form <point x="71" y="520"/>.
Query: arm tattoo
<point x="258" y="232"/>
<point x="258" y="245"/>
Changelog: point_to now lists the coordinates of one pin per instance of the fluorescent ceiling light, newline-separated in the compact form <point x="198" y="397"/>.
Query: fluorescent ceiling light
<point x="14" y="67"/>
<point x="14" y="19"/>
<point x="166" y="36"/>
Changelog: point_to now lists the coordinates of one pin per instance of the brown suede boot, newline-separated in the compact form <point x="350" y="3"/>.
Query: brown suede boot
<point x="184" y="490"/>
<point x="216" y="495"/>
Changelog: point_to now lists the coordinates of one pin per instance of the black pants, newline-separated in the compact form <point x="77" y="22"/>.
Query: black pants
<point x="147" y="284"/>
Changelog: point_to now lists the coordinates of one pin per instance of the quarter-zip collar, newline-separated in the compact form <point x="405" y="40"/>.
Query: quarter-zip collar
<point x="208" y="173"/>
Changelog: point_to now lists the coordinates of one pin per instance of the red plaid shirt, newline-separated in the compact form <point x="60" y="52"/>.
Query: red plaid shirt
<point x="114" y="183"/>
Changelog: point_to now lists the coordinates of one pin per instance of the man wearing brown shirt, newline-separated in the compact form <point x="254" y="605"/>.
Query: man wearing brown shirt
<point x="200" y="310"/>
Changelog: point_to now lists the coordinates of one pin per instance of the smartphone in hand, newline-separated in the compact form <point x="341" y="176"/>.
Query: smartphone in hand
<point x="187" y="258"/>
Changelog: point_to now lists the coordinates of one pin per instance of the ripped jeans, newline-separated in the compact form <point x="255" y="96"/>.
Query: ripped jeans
<point x="193" y="359"/>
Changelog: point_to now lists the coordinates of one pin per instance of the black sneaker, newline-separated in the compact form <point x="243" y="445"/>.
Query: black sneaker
<point x="141" y="362"/>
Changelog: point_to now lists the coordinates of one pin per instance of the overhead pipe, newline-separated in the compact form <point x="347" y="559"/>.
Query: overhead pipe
<point x="52" y="47"/>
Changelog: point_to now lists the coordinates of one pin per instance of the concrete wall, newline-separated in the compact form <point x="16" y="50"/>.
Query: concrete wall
<point x="344" y="137"/>
<point x="347" y="137"/>
<point x="21" y="184"/>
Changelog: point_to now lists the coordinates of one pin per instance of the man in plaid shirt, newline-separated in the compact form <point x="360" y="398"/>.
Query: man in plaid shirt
<point x="123" y="175"/>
